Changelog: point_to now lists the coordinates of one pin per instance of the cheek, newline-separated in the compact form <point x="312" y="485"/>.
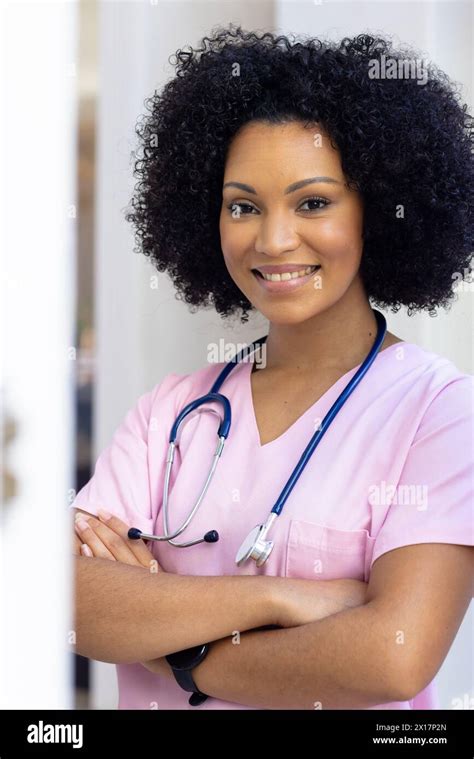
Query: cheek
<point x="231" y="257"/>
<point x="234" y="244"/>
<point x="340" y="242"/>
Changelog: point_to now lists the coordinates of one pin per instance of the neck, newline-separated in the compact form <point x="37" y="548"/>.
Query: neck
<point x="338" y="338"/>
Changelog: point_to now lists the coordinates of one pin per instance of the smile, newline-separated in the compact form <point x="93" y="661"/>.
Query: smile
<point x="284" y="281"/>
<point x="287" y="275"/>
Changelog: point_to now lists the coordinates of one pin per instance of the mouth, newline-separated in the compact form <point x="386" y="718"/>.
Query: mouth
<point x="285" y="276"/>
<point x="284" y="281"/>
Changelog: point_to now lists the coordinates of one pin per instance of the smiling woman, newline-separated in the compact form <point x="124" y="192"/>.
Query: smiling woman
<point x="270" y="181"/>
<point x="273" y="231"/>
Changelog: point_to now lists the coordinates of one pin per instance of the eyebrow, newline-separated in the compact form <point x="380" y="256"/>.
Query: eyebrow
<point x="291" y="188"/>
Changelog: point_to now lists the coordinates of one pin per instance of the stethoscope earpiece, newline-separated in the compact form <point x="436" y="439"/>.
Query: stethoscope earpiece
<point x="211" y="537"/>
<point x="134" y="533"/>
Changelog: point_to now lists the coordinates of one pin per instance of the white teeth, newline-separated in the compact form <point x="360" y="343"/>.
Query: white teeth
<point x="287" y="275"/>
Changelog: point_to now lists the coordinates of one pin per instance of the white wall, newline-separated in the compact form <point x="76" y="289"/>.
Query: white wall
<point x="38" y="165"/>
<point x="141" y="331"/>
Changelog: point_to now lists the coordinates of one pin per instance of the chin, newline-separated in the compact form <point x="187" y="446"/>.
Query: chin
<point x="289" y="315"/>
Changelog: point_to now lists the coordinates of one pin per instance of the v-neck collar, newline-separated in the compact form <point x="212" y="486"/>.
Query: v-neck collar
<point x="340" y="382"/>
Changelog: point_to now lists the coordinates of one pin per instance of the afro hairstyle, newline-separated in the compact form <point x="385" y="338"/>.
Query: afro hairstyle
<point x="401" y="143"/>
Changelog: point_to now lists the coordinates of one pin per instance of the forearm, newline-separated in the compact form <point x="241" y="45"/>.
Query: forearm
<point x="128" y="614"/>
<point x="335" y="663"/>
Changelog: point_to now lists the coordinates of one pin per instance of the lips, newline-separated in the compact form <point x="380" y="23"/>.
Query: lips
<point x="284" y="273"/>
<point x="282" y="268"/>
<point x="286" y="282"/>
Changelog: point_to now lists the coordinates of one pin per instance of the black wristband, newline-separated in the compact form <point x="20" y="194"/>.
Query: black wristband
<point x="182" y="663"/>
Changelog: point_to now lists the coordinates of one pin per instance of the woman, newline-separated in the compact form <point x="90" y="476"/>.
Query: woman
<point x="281" y="177"/>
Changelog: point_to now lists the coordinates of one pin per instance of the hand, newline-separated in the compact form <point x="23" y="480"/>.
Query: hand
<point x="302" y="601"/>
<point x="106" y="538"/>
<point x="77" y="543"/>
<point x="158" y="667"/>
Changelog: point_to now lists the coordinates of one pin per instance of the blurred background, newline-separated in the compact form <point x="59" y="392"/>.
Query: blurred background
<point x="84" y="333"/>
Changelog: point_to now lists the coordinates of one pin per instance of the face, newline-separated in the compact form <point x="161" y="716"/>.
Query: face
<point x="273" y="223"/>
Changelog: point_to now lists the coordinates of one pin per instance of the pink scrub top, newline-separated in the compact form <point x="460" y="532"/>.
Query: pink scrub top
<point x="395" y="468"/>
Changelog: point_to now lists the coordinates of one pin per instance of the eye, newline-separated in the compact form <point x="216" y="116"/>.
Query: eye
<point x="236" y="209"/>
<point x="315" y="200"/>
<point x="239" y="209"/>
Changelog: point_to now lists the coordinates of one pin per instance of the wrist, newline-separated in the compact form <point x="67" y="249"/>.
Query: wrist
<point x="183" y="664"/>
<point x="199" y="671"/>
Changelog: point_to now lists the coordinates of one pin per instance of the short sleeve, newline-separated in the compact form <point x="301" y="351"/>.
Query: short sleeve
<point x="120" y="483"/>
<point x="434" y="497"/>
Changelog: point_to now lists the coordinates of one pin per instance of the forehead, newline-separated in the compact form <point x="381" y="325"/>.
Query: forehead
<point x="292" y="146"/>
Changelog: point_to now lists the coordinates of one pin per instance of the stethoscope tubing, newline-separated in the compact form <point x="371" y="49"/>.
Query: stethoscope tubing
<point x="224" y="428"/>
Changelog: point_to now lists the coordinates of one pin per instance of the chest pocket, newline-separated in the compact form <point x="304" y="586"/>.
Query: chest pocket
<point x="315" y="551"/>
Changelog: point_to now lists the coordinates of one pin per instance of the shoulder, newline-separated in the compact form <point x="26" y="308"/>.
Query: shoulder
<point x="446" y="389"/>
<point x="181" y="388"/>
<point x="434" y="379"/>
<point x="166" y="397"/>
<point x="436" y="400"/>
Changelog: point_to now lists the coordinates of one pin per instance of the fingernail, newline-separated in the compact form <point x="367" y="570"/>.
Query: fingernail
<point x="103" y="514"/>
<point x="79" y="515"/>
<point x="85" y="550"/>
<point x="82" y="524"/>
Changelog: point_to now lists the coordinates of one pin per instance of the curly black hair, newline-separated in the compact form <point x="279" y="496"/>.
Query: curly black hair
<point x="401" y="144"/>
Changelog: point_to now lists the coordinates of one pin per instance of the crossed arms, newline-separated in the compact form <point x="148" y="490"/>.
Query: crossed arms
<point x="353" y="655"/>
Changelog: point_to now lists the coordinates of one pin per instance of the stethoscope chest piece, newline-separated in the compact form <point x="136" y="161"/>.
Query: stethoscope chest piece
<point x="255" y="546"/>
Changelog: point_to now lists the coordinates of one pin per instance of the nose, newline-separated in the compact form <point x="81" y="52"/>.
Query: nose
<point x="276" y="235"/>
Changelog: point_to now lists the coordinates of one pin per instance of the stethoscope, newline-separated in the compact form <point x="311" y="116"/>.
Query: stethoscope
<point x="255" y="545"/>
